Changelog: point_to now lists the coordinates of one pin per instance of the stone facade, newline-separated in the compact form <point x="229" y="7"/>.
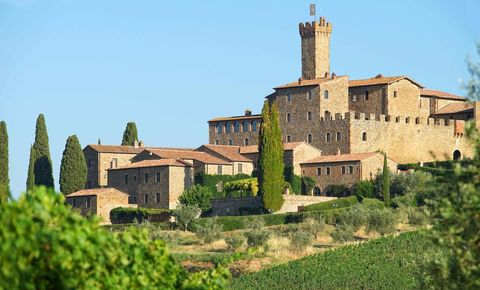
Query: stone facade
<point x="315" y="48"/>
<point x="222" y="131"/>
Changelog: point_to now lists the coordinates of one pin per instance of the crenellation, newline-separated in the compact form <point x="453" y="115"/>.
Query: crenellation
<point x="338" y="116"/>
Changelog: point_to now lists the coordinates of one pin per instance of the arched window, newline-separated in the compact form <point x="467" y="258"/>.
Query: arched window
<point x="309" y="138"/>
<point x="228" y="127"/>
<point x="289" y="97"/>
<point x="328" y="138"/>
<point x="246" y="142"/>
<point x="236" y="126"/>
<point x="230" y="142"/>
<point x="339" y="136"/>
<point x="364" y="136"/>
<point x="289" y="138"/>
<point x="219" y="128"/>
<point x="328" y="116"/>
<point x="245" y="126"/>
<point x="254" y="126"/>
<point x="309" y="116"/>
<point x="289" y="117"/>
<point x="325" y="94"/>
<point x="317" y="191"/>
<point x="310" y="95"/>
<point x="457" y="155"/>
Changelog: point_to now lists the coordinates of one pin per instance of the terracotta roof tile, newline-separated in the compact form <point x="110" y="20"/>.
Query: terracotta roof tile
<point x="304" y="83"/>
<point x="232" y="153"/>
<point x="116" y="149"/>
<point x="154" y="163"/>
<point x="340" y="158"/>
<point x="441" y="95"/>
<point x="234" y="118"/>
<point x="96" y="191"/>
<point x="454" y="108"/>
<point x="188" y="154"/>
<point x="379" y="81"/>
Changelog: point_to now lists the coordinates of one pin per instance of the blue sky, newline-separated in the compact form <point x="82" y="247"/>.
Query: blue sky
<point x="92" y="66"/>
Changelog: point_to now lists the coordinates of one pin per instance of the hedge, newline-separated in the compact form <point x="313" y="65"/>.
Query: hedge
<point x="333" y="204"/>
<point x="211" y="181"/>
<point x="125" y="215"/>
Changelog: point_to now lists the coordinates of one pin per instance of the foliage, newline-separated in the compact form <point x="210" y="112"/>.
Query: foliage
<point x="4" y="180"/>
<point x="364" y="188"/>
<point x="124" y="215"/>
<point x="372" y="203"/>
<point x="355" y="217"/>
<point x="73" y="170"/>
<point x="337" y="190"/>
<point x="249" y="185"/>
<point x="382" y="221"/>
<point x="300" y="240"/>
<point x="385" y="263"/>
<point x="333" y="204"/>
<point x="211" y="181"/>
<point x="294" y="180"/>
<point x="185" y="215"/>
<point x="386" y="182"/>
<point x="417" y="216"/>
<point x="254" y="222"/>
<point x="40" y="167"/>
<point x="209" y="232"/>
<point x="258" y="238"/>
<point x="45" y="245"/>
<point x="343" y="233"/>
<point x="473" y="85"/>
<point x="130" y="135"/>
<point x="270" y="165"/>
<point x="197" y="195"/>
<point x="314" y="226"/>
<point x="308" y="184"/>
<point x="235" y="242"/>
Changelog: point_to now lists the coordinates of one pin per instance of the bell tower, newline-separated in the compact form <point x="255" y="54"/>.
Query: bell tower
<point x="315" y="48"/>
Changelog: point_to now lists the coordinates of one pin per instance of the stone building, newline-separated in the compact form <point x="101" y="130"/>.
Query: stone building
<point x="98" y="201"/>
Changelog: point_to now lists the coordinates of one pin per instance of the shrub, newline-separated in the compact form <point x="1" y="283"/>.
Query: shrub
<point x="342" y="233"/>
<point x="364" y="188"/>
<point x="355" y="217"/>
<point x="308" y="184"/>
<point x="185" y="215"/>
<point x="197" y="195"/>
<point x="254" y="222"/>
<point x="211" y="181"/>
<point x="314" y="226"/>
<point x="417" y="216"/>
<point x="45" y="245"/>
<point x="257" y="238"/>
<point x="126" y="215"/>
<point x="333" y="204"/>
<point x="300" y="240"/>
<point x="294" y="180"/>
<point x="382" y="221"/>
<point x="372" y="203"/>
<point x="337" y="190"/>
<point x="211" y="231"/>
<point x="249" y="185"/>
<point x="235" y="242"/>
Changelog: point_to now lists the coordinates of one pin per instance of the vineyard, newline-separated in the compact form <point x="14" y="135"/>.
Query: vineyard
<point x="385" y="263"/>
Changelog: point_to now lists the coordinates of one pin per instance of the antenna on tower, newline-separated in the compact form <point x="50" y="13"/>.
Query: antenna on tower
<point x="313" y="11"/>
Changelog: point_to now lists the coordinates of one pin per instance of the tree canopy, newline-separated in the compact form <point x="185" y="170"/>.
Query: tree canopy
<point x="73" y="170"/>
<point x="130" y="135"/>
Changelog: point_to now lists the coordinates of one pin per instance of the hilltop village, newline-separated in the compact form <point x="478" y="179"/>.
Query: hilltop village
<point x="335" y="130"/>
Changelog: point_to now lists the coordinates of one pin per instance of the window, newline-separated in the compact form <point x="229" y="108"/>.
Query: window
<point x="366" y="95"/>
<point x="289" y="97"/>
<point x="89" y="163"/>
<point x="339" y="136"/>
<point x="328" y="116"/>
<point x="289" y="117"/>
<point x="309" y="116"/>
<point x="343" y="169"/>
<point x="236" y="127"/>
<point x="240" y="168"/>
<point x="113" y="163"/>
<point x="146" y="177"/>
<point x="319" y="171"/>
<point x="219" y="128"/>
<point x="134" y="178"/>
<point x="246" y="142"/>
<point x="126" y="179"/>
<point x="157" y="197"/>
<point x="230" y="142"/>
<point x="354" y="98"/>
<point x="219" y="169"/>
<point x="228" y="127"/>
<point x="145" y="198"/>
<point x="328" y="138"/>
<point x="289" y="138"/>
<point x="309" y="138"/>
<point x="309" y="95"/>
<point x="216" y="142"/>
<point x="87" y="202"/>
<point x="364" y="136"/>
<point x="394" y="94"/>
<point x="327" y="169"/>
<point x="350" y="169"/>
<point x="74" y="202"/>
<point x="245" y="126"/>
<point x="157" y="177"/>
<point x="325" y="94"/>
<point x="420" y="104"/>
<point x="254" y="126"/>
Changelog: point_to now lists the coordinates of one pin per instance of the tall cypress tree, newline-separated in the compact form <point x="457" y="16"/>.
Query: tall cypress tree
<point x="271" y="165"/>
<point x="42" y="168"/>
<point x="31" y="174"/>
<point x="4" y="180"/>
<point x="130" y="135"/>
<point x="73" y="171"/>
<point x="386" y="181"/>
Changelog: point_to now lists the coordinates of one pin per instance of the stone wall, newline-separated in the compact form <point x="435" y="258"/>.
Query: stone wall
<point x="377" y="99"/>
<point x="293" y="202"/>
<point x="80" y="204"/>
<point x="107" y="161"/>
<point x="91" y="157"/>
<point x="105" y="203"/>
<point x="315" y="48"/>
<point x="236" y="138"/>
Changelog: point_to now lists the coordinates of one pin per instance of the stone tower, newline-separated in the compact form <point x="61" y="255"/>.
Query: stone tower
<point x="315" y="48"/>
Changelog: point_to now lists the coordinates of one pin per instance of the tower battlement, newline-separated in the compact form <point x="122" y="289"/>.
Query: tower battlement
<point x="309" y="28"/>
<point x="315" y="37"/>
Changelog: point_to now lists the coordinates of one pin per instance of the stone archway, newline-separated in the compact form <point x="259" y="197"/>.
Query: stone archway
<point x="317" y="191"/>
<point x="457" y="155"/>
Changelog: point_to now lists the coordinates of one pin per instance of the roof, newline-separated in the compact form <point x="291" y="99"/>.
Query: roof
<point x="441" y="95"/>
<point x="230" y="152"/>
<point x="96" y="192"/>
<point x="233" y="118"/>
<point x="304" y="83"/>
<point x="286" y="147"/>
<point x="379" y="80"/>
<point x="154" y="163"/>
<point x="341" y="158"/>
<point x="188" y="154"/>
<point x="455" y="108"/>
<point x="116" y="149"/>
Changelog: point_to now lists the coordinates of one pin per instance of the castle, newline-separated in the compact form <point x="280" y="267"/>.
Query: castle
<point x="334" y="129"/>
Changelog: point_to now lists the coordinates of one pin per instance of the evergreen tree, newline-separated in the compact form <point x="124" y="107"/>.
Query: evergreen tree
<point x="99" y="142"/>
<point x="270" y="147"/>
<point x="73" y="171"/>
<point x="42" y="167"/>
<point x="4" y="180"/>
<point x="130" y="135"/>
<point x="31" y="175"/>
<point x="386" y="181"/>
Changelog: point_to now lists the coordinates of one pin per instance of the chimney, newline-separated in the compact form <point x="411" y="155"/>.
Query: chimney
<point x="135" y="144"/>
<point x="379" y="76"/>
<point x="299" y="81"/>
<point x="334" y="75"/>
<point x="327" y="75"/>
<point x="248" y="112"/>
<point x="141" y="144"/>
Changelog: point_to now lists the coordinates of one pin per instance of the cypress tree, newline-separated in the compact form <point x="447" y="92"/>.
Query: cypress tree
<point x="31" y="175"/>
<point x="4" y="180"/>
<point x="73" y="171"/>
<point x="386" y="182"/>
<point x="99" y="142"/>
<point x="130" y="135"/>
<point x="42" y="168"/>
<point x="270" y="148"/>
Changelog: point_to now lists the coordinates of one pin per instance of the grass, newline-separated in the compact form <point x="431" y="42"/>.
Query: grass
<point x="333" y="204"/>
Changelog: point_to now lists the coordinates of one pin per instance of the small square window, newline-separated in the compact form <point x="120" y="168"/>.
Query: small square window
<point x="157" y="197"/>
<point x="240" y="167"/>
<point x="328" y="170"/>
<point x="157" y="177"/>
<point x="289" y="97"/>
<point x="309" y="95"/>
<point x="146" y="177"/>
<point x="87" y="203"/>
<point x="219" y="169"/>
<point x="319" y="171"/>
<point x="126" y="179"/>
<point x="343" y="169"/>
<point x="350" y="169"/>
<point x="145" y="198"/>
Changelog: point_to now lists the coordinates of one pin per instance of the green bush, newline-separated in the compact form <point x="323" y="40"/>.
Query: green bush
<point x="248" y="186"/>
<point x="417" y="216"/>
<point x="355" y="217"/>
<point x="300" y="240"/>
<point x="198" y="195"/>
<point x="294" y="180"/>
<point x="382" y="221"/>
<point x="258" y="238"/>
<point x="46" y="245"/>
<point x="308" y="184"/>
<point x="364" y="188"/>
<point x="339" y="190"/>
<point x="314" y="226"/>
<point x="333" y="204"/>
<point x="372" y="203"/>
<point x="211" y="231"/>
<point x="126" y="215"/>
<point x="185" y="215"/>
<point x="235" y="242"/>
<point x="343" y="233"/>
<point x="211" y="181"/>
